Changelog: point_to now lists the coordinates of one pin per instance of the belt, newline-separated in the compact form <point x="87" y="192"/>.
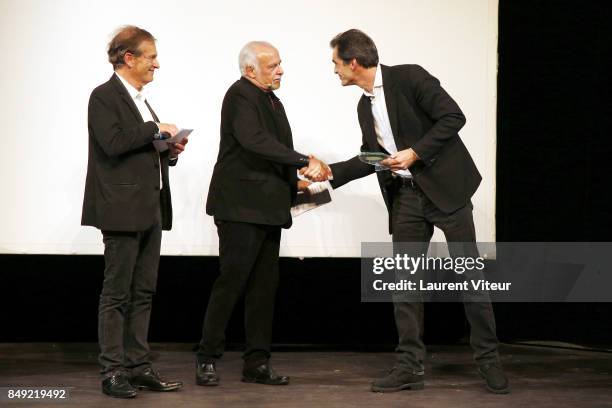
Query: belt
<point x="405" y="182"/>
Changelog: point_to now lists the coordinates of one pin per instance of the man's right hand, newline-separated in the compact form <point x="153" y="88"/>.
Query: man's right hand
<point x="317" y="170"/>
<point x="168" y="128"/>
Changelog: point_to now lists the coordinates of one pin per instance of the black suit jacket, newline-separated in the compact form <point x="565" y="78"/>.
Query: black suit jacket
<point x="122" y="190"/>
<point x="254" y="179"/>
<point x="423" y="116"/>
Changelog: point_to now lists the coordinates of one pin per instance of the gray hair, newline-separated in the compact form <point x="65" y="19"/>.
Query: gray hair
<point x="248" y="55"/>
<point x="126" y="39"/>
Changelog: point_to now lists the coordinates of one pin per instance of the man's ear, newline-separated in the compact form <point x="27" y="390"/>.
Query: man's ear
<point x="353" y="64"/>
<point x="250" y="71"/>
<point x="128" y="59"/>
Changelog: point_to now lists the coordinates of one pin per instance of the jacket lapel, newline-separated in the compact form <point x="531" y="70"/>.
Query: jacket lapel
<point x="281" y="130"/>
<point x="267" y="102"/>
<point x="279" y="117"/>
<point x="132" y="106"/>
<point x="391" y="102"/>
<point x="126" y="97"/>
<point x="366" y="118"/>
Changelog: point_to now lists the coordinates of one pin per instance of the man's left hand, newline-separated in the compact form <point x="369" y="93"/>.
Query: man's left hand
<point x="177" y="148"/>
<point x="401" y="160"/>
<point x="302" y="185"/>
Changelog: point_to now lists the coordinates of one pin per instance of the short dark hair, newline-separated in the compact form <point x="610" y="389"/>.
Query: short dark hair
<point x="356" y="44"/>
<point x="127" y="39"/>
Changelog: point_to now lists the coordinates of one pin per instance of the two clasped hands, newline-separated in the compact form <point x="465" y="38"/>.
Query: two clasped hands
<point x="316" y="171"/>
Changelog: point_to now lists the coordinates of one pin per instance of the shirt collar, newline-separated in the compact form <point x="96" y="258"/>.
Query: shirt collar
<point x="134" y="93"/>
<point x="378" y="82"/>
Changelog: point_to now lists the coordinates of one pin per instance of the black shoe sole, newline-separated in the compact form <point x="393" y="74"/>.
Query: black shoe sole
<point x="145" y="388"/>
<point x="207" y="383"/>
<point x="407" y="386"/>
<point x="500" y="391"/>
<point x="256" y="381"/>
<point x="120" y="396"/>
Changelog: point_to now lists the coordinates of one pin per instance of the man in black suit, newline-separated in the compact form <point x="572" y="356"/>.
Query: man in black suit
<point x="253" y="185"/>
<point x="127" y="196"/>
<point x="405" y="112"/>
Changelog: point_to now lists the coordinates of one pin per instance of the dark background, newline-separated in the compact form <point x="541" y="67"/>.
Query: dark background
<point x="553" y="165"/>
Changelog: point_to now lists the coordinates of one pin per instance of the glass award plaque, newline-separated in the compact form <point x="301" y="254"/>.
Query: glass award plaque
<point x="374" y="159"/>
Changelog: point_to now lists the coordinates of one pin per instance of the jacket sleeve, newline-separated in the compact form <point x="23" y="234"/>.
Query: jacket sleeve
<point x="171" y="161"/>
<point x="250" y="134"/>
<point x="350" y="170"/>
<point x="440" y="107"/>
<point x="108" y="132"/>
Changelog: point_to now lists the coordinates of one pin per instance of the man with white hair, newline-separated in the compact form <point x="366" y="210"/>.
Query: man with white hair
<point x="253" y="185"/>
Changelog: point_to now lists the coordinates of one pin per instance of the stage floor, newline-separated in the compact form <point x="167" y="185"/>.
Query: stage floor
<point x="540" y="377"/>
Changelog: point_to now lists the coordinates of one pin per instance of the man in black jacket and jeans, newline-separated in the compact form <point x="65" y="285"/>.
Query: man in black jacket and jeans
<point x="253" y="185"/>
<point x="405" y="112"/>
<point x="127" y="197"/>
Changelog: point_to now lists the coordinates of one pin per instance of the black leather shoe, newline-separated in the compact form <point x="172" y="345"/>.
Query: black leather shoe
<point x="206" y="374"/>
<point x="150" y="380"/>
<point x="496" y="380"/>
<point x="399" y="379"/>
<point x="118" y="386"/>
<point x="263" y="374"/>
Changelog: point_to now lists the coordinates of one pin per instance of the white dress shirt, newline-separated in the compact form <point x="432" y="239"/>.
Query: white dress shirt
<point x="382" y="125"/>
<point x="139" y="100"/>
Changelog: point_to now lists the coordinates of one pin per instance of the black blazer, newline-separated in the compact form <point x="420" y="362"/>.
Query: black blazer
<point x="423" y="116"/>
<point x="122" y="186"/>
<point x="254" y="179"/>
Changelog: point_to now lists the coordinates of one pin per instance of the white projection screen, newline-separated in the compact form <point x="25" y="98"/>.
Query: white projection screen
<point x="54" y="54"/>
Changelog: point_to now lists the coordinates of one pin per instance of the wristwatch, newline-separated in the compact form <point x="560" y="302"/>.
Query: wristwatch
<point x="161" y="136"/>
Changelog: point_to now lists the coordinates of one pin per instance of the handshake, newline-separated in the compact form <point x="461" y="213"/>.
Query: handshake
<point x="316" y="170"/>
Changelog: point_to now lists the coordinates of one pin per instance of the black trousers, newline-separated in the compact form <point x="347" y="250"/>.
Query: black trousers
<point x="414" y="217"/>
<point x="130" y="278"/>
<point x="248" y="262"/>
